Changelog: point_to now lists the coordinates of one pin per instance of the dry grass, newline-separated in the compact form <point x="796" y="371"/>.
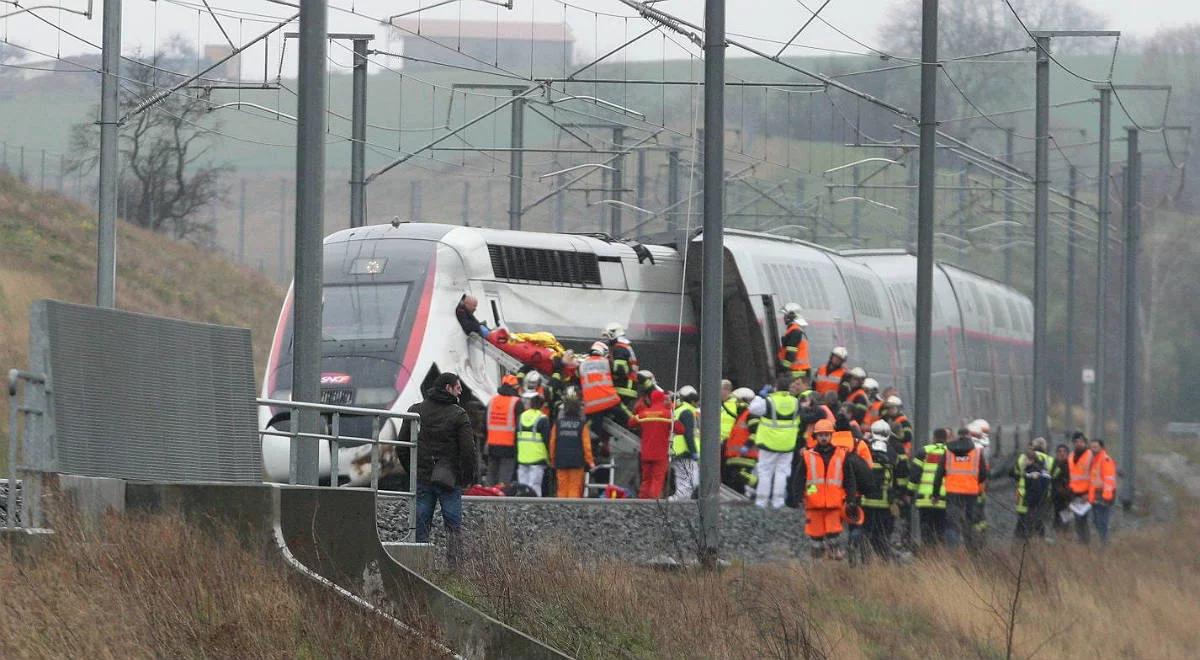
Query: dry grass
<point x="48" y="250"/>
<point x="1135" y="600"/>
<point x="154" y="587"/>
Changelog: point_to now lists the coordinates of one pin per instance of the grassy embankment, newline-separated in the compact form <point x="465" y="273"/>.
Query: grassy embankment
<point x="48" y="250"/>
<point x="143" y="587"/>
<point x="1135" y="600"/>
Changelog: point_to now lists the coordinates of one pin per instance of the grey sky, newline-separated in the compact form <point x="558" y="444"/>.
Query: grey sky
<point x="148" y="22"/>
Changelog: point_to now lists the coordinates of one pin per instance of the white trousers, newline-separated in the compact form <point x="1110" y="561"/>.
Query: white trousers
<point x="687" y="478"/>
<point x="531" y="475"/>
<point x="773" y="469"/>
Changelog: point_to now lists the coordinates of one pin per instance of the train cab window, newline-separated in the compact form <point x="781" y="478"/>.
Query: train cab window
<point x="362" y="311"/>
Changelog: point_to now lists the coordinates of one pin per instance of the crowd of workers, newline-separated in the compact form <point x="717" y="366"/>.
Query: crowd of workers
<point x="828" y="440"/>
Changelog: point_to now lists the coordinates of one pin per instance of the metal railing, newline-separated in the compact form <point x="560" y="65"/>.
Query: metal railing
<point x="30" y="420"/>
<point x="333" y="415"/>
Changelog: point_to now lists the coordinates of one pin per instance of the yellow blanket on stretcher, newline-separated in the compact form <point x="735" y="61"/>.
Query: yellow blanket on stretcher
<point x="543" y="339"/>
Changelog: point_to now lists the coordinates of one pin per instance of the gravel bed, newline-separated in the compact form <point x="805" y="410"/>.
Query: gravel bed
<point x="627" y="530"/>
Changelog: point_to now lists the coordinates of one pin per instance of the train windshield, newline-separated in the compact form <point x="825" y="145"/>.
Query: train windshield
<point x="355" y="312"/>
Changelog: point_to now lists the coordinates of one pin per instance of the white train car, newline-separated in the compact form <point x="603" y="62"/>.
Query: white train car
<point x="866" y="300"/>
<point x="390" y="293"/>
<point x="389" y="326"/>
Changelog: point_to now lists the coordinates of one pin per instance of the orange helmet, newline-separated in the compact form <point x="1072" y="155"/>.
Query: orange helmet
<point x="823" y="426"/>
<point x="509" y="379"/>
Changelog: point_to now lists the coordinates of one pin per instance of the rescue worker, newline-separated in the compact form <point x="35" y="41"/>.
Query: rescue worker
<point x="570" y="446"/>
<point x="813" y="409"/>
<point x="893" y="412"/>
<point x="877" y="504"/>
<point x="623" y="360"/>
<point x="830" y="492"/>
<point x="740" y="455"/>
<point x="851" y="382"/>
<point x="1079" y="469"/>
<point x="502" y="413"/>
<point x="729" y="410"/>
<point x="685" y="445"/>
<point x="600" y="397"/>
<point x="1102" y="488"/>
<point x="874" y="402"/>
<point x="533" y="437"/>
<point x="1060" y="490"/>
<point x="652" y="417"/>
<point x="856" y="398"/>
<point x="980" y="432"/>
<point x="1032" y="473"/>
<point x="922" y="469"/>
<point x="775" y="437"/>
<point x="534" y="384"/>
<point x="961" y="475"/>
<point x="829" y="375"/>
<point x="793" y="346"/>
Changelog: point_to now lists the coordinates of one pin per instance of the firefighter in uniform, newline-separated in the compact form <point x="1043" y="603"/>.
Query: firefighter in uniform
<point x="829" y="376"/>
<point x="874" y="402"/>
<point x="533" y="435"/>
<point x="685" y="445"/>
<point x="793" y="346"/>
<point x="740" y="455"/>
<point x="880" y="511"/>
<point x="624" y="362"/>
<point x="502" y="412"/>
<point x="1032" y="473"/>
<point x="856" y="397"/>
<point x="922" y="468"/>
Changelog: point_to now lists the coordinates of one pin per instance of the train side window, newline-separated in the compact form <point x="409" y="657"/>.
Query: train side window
<point x="495" y="304"/>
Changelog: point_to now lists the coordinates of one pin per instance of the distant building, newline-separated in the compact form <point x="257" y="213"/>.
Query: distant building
<point x="511" y="45"/>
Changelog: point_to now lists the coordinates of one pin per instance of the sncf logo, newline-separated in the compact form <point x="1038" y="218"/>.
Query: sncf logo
<point x="335" y="379"/>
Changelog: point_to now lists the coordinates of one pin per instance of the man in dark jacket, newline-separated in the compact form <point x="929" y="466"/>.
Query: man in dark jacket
<point x="962" y="473"/>
<point x="446" y="459"/>
<point x="1060" y="490"/>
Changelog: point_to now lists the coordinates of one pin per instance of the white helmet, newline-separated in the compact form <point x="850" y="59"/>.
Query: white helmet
<point x="859" y="372"/>
<point x="744" y="394"/>
<point x="893" y="401"/>
<point x="870" y="384"/>
<point x="687" y="393"/>
<point x="791" y="312"/>
<point x="879" y="444"/>
<point x="880" y="430"/>
<point x="645" y="379"/>
<point x="599" y="348"/>
<point x="613" y="330"/>
<point x="980" y="426"/>
<point x="533" y="379"/>
<point x="840" y="351"/>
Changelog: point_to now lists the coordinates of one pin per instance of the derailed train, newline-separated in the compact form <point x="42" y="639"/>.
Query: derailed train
<point x="389" y="325"/>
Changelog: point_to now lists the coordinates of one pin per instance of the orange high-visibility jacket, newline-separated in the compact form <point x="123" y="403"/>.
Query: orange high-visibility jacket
<point x="1079" y="472"/>
<point x="739" y="436"/>
<point x="847" y="441"/>
<point x="599" y="393"/>
<point x="962" y="472"/>
<point x="823" y="481"/>
<point x="793" y="357"/>
<point x="502" y="420"/>
<point x="874" y="413"/>
<point x="828" y="381"/>
<point x="1103" y="478"/>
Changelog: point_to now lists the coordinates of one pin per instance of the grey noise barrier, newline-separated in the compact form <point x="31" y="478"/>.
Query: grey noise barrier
<point x="159" y="415"/>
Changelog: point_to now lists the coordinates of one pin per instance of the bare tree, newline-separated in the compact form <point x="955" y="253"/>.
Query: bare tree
<point x="168" y="175"/>
<point x="970" y="27"/>
<point x="1172" y="55"/>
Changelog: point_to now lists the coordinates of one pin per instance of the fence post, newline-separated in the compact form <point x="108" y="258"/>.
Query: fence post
<point x="414" y="429"/>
